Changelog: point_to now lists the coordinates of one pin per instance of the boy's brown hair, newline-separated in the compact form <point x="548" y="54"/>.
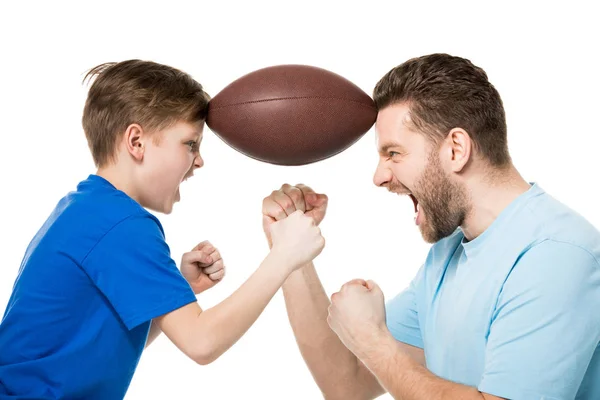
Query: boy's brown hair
<point x="153" y="95"/>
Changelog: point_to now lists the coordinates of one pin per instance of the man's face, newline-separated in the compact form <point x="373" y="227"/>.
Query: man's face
<point x="410" y="164"/>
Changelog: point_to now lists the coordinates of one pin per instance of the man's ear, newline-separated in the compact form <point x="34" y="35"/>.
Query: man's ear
<point x="459" y="147"/>
<point x="135" y="139"/>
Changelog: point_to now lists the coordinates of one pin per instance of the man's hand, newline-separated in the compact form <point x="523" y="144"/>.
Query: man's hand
<point x="283" y="202"/>
<point x="357" y="314"/>
<point x="202" y="267"/>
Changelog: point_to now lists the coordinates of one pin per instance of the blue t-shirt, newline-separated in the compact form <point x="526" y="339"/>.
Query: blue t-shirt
<point x="90" y="283"/>
<point x="514" y="312"/>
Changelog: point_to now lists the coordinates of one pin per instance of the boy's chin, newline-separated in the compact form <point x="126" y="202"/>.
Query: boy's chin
<point x="166" y="208"/>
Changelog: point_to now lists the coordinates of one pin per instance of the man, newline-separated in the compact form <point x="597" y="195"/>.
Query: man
<point x="506" y="303"/>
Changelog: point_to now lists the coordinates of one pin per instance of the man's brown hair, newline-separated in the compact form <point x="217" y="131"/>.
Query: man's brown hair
<point x="153" y="95"/>
<point x="445" y="92"/>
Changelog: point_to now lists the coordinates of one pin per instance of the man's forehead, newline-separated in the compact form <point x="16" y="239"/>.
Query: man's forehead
<point x="396" y="115"/>
<point x="392" y="128"/>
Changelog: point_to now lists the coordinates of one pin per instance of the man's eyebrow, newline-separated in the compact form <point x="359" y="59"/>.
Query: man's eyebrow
<point x="388" y="145"/>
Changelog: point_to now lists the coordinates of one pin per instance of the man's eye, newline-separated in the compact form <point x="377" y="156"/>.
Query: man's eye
<point x="393" y="153"/>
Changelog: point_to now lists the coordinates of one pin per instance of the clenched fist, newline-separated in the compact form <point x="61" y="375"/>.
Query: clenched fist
<point x="285" y="201"/>
<point x="202" y="267"/>
<point x="357" y="314"/>
<point x="296" y="239"/>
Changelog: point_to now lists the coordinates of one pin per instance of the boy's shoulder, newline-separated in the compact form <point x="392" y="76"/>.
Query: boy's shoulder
<point x="96" y="203"/>
<point x="84" y="216"/>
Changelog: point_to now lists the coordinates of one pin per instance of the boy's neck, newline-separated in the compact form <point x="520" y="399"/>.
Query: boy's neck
<point x="119" y="179"/>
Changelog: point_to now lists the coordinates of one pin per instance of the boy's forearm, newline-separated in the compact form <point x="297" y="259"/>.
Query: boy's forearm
<point x="222" y="325"/>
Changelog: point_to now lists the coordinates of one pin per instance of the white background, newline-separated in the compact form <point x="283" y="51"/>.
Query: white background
<point x="542" y="58"/>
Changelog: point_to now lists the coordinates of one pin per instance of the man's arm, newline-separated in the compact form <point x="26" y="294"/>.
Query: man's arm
<point x="406" y="379"/>
<point x="336" y="370"/>
<point x="357" y="315"/>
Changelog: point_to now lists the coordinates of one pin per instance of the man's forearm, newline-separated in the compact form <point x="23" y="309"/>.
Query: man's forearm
<point x="404" y="378"/>
<point x="337" y="372"/>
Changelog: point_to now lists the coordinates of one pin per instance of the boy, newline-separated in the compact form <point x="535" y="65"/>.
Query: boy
<point x="97" y="282"/>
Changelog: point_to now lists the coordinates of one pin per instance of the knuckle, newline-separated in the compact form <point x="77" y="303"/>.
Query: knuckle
<point x="280" y="214"/>
<point x="296" y="196"/>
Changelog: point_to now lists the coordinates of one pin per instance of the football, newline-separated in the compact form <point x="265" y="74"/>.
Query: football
<point x="291" y="114"/>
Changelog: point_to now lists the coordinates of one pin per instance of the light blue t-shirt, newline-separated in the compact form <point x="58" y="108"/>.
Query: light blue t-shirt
<point x="514" y="312"/>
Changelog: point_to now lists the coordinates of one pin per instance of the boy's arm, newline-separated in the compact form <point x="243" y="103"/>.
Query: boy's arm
<point x="202" y="268"/>
<point x="153" y="334"/>
<point x="205" y="335"/>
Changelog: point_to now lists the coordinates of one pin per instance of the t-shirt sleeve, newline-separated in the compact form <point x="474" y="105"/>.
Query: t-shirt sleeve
<point x="402" y="317"/>
<point x="132" y="267"/>
<point x="546" y="325"/>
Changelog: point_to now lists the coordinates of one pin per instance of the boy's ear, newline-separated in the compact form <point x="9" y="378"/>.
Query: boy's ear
<point x="134" y="141"/>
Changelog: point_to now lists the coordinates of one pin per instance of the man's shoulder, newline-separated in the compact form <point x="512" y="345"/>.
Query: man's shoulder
<point x="552" y="258"/>
<point x="553" y="223"/>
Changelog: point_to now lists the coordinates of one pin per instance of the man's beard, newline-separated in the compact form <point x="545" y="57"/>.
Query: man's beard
<point x="443" y="204"/>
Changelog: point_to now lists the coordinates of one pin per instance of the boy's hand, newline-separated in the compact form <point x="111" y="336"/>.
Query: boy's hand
<point x="202" y="267"/>
<point x="296" y="239"/>
<point x="283" y="202"/>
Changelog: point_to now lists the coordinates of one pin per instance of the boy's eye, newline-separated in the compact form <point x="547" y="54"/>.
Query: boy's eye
<point x="193" y="145"/>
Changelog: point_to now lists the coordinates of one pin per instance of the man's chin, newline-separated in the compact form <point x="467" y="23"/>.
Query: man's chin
<point x="432" y="236"/>
<point x="427" y="235"/>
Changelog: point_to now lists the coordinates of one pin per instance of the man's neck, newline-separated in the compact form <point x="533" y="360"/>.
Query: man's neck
<point x="489" y="197"/>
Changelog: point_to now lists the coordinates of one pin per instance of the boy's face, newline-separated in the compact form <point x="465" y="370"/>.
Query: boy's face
<point x="168" y="161"/>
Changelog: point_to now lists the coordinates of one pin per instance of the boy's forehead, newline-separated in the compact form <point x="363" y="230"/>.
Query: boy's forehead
<point x="195" y="129"/>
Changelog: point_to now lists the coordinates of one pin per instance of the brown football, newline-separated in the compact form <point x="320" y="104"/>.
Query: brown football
<point x="291" y="114"/>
